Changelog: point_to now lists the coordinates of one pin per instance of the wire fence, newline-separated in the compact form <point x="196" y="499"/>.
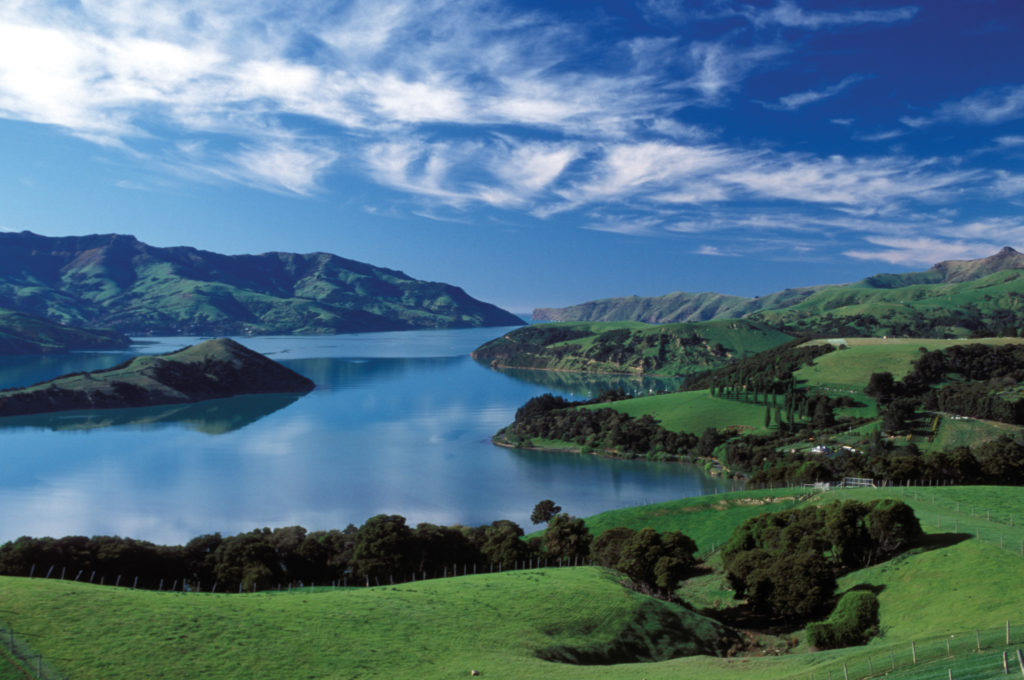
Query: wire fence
<point x="971" y="655"/>
<point x="994" y="526"/>
<point x="18" y="657"/>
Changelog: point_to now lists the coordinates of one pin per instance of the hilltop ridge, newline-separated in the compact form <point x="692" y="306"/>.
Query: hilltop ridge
<point x="116" y="281"/>
<point x="953" y="298"/>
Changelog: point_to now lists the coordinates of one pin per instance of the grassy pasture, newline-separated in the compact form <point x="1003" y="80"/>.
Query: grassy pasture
<point x="851" y="368"/>
<point x="496" y="623"/>
<point x="692" y="411"/>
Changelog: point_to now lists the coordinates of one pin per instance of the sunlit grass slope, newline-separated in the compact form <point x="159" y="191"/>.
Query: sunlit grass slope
<point x="692" y="411"/>
<point x="498" y="624"/>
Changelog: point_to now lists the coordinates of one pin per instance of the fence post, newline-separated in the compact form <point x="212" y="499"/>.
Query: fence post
<point x="1020" y="660"/>
<point x="1007" y="632"/>
<point x="977" y="639"/>
<point x="948" y="652"/>
<point x="913" y="651"/>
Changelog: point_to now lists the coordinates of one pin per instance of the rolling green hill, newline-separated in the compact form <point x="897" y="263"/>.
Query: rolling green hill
<point x="208" y="370"/>
<point x="114" y="281"/>
<point x="506" y="625"/>
<point x="27" y="334"/>
<point x="952" y="299"/>
<point x="673" y="349"/>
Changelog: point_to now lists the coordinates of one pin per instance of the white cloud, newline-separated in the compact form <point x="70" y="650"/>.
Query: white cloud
<point x="792" y="102"/>
<point x="712" y="250"/>
<point x="1008" y="185"/>
<point x="789" y="14"/>
<point x="921" y="250"/>
<point x="720" y="67"/>
<point x="986" y="107"/>
<point x="881" y="136"/>
<point x="629" y="227"/>
<point x="1010" y="140"/>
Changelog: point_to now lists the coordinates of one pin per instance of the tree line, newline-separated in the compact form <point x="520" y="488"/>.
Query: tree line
<point x="383" y="550"/>
<point x="978" y="381"/>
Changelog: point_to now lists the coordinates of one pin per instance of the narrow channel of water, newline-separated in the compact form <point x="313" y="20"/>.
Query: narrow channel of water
<point x="399" y="423"/>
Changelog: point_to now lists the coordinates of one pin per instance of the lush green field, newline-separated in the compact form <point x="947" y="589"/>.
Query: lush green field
<point x="693" y="411"/>
<point x="499" y="623"/>
<point x="852" y="367"/>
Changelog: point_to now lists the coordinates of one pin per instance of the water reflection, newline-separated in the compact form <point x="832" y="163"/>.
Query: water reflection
<point x="214" y="416"/>
<point x="382" y="433"/>
<point x="587" y="385"/>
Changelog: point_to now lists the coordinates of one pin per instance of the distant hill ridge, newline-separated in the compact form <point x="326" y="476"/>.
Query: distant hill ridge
<point x="116" y="281"/>
<point x="947" y="298"/>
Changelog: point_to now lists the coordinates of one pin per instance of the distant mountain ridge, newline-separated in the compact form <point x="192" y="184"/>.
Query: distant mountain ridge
<point x="116" y="281"/>
<point x="952" y="298"/>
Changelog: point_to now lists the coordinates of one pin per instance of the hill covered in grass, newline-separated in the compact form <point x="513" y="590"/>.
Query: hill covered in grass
<point x="514" y="624"/>
<point x="28" y="334"/>
<point x="208" y="370"/>
<point x="952" y="299"/>
<point x="115" y="281"/>
<point x="636" y="348"/>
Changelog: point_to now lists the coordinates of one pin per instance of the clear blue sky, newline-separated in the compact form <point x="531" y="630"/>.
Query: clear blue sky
<point x="534" y="153"/>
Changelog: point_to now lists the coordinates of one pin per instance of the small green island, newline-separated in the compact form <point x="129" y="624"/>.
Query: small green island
<point x="212" y="369"/>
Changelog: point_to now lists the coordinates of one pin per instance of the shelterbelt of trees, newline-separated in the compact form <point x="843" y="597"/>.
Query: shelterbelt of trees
<point x="383" y="550"/>
<point x="979" y="381"/>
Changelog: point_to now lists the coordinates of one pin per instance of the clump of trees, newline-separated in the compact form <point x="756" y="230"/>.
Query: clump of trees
<point x="786" y="563"/>
<point x="552" y="417"/>
<point x="655" y="562"/>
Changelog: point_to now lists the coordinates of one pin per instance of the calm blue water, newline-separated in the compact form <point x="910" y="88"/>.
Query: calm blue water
<point x="399" y="423"/>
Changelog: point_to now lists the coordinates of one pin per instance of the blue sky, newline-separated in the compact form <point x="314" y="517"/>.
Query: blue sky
<point x="534" y="153"/>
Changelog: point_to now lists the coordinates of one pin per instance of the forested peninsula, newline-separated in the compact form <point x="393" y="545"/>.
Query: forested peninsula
<point x="209" y="370"/>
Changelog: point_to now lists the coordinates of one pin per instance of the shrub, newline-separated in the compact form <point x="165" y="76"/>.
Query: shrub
<point x="854" y="622"/>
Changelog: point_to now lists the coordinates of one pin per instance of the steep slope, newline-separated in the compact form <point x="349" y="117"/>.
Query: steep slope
<point x="209" y="370"/>
<point x="116" y="281"/>
<point x="952" y="299"/>
<point x="28" y="334"/>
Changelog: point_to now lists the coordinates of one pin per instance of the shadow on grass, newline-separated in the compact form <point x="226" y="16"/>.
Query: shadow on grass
<point x="657" y="631"/>
<point x="936" y="541"/>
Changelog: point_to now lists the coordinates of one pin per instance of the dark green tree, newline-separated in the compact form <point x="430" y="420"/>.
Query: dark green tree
<point x="384" y="548"/>
<point x="567" y="537"/>
<point x="544" y="511"/>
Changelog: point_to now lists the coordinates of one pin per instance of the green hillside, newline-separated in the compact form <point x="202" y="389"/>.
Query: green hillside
<point x="505" y="625"/>
<point x="28" y="334"/>
<point x="952" y="299"/>
<point x="115" y="281"/>
<point x="636" y="348"/>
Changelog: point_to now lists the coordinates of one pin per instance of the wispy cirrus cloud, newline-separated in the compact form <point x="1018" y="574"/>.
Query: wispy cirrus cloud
<point x="791" y="102"/>
<point x="986" y="107"/>
<point x="921" y="250"/>
<point x="784" y="13"/>
<point x="789" y="14"/>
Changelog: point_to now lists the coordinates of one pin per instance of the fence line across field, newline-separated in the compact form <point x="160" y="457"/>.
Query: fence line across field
<point x="967" y="655"/>
<point x="17" y="653"/>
